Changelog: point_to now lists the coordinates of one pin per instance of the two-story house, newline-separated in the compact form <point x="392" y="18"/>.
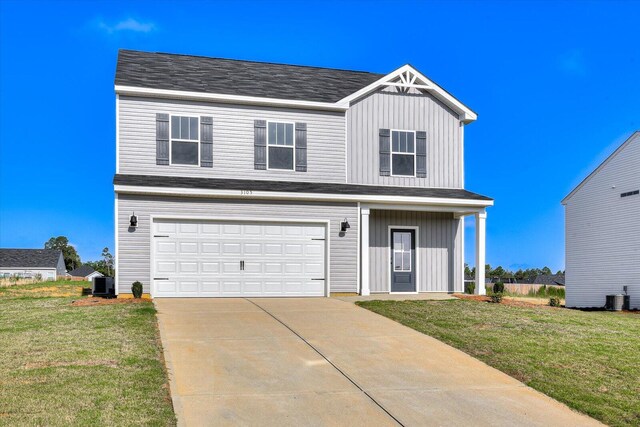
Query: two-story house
<point x="238" y="178"/>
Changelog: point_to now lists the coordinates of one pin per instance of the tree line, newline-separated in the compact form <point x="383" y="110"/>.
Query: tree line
<point x="503" y="273"/>
<point x="72" y="260"/>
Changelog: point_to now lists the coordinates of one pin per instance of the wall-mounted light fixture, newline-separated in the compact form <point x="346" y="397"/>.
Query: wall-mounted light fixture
<point x="133" y="221"/>
<point x="344" y="225"/>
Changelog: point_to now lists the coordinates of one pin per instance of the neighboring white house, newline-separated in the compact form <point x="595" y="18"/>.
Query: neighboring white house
<point x="48" y="264"/>
<point x="240" y="178"/>
<point x="86" y="272"/>
<point x="602" y="228"/>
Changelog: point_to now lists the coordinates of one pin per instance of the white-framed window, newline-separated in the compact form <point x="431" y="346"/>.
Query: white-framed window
<point x="402" y="251"/>
<point x="403" y="153"/>
<point x="280" y="145"/>
<point x="185" y="140"/>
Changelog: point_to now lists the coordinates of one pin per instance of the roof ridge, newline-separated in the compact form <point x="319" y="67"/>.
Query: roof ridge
<point x="253" y="61"/>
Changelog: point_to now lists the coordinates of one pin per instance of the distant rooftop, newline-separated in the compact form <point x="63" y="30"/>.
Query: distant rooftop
<point x="29" y="258"/>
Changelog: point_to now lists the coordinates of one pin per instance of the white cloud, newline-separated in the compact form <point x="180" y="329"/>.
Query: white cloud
<point x="126" y="25"/>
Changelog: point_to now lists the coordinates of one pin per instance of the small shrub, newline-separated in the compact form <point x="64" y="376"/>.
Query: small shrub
<point x="554" y="302"/>
<point x="496" y="297"/>
<point x="469" y="288"/>
<point x="136" y="289"/>
<point x="498" y="288"/>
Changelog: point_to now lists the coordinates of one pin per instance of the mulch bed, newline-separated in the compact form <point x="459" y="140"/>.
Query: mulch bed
<point x="95" y="301"/>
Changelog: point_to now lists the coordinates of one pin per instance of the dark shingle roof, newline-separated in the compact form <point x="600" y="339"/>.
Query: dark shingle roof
<point x="549" y="279"/>
<point x="82" y="271"/>
<point x="296" y="187"/>
<point x="235" y="77"/>
<point x="29" y="258"/>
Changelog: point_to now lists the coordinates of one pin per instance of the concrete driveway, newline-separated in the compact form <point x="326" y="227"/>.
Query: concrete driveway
<point x="322" y="361"/>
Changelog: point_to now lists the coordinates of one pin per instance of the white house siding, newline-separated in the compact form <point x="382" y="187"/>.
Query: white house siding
<point x="603" y="232"/>
<point x="439" y="251"/>
<point x="410" y="111"/>
<point x="233" y="139"/>
<point x="46" y="273"/>
<point x="134" y="246"/>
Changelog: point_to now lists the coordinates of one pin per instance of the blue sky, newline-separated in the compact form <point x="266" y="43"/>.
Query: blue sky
<point x="555" y="84"/>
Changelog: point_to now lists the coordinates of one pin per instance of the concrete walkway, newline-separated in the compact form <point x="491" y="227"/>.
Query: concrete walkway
<point x="323" y="361"/>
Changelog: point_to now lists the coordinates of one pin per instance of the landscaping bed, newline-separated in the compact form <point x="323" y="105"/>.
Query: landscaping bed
<point x="75" y="363"/>
<point x="588" y="360"/>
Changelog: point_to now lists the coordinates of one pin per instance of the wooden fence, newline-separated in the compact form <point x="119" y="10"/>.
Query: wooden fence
<point x="524" y="288"/>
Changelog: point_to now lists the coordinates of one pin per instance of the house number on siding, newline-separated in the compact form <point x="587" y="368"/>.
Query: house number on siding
<point x="246" y="192"/>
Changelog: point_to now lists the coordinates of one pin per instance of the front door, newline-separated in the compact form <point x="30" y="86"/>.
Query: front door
<point x="403" y="260"/>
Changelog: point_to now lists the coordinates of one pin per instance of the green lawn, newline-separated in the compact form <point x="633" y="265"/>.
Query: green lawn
<point x="67" y="365"/>
<point x="588" y="360"/>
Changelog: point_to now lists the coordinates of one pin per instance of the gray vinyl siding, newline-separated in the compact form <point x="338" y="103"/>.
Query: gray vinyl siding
<point x="602" y="232"/>
<point x="134" y="246"/>
<point x="410" y="111"/>
<point x="233" y="140"/>
<point x="439" y="255"/>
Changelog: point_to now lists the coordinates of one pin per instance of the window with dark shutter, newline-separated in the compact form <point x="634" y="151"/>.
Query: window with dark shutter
<point x="184" y="140"/>
<point x="385" y="152"/>
<point x="206" y="142"/>
<point x="280" y="145"/>
<point x="403" y="153"/>
<point x="162" y="139"/>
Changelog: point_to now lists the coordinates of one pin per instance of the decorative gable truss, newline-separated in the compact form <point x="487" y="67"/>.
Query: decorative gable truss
<point x="406" y="78"/>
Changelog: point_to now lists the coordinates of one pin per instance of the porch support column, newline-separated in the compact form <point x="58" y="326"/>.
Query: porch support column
<point x="481" y="219"/>
<point x="364" y="251"/>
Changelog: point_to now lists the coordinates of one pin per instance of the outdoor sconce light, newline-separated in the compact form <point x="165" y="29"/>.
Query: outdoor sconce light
<point x="344" y="225"/>
<point x="133" y="221"/>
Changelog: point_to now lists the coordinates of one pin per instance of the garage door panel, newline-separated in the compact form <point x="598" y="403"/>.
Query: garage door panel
<point x="203" y="259"/>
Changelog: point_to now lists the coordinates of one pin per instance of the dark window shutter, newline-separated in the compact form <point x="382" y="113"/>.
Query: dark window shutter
<point x="162" y="139"/>
<point x="301" y="147"/>
<point x="260" y="144"/>
<point x="385" y="153"/>
<point x="206" y="142"/>
<point x="421" y="154"/>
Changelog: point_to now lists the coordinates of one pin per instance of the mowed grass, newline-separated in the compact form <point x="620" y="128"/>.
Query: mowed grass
<point x="588" y="360"/>
<point x="67" y="365"/>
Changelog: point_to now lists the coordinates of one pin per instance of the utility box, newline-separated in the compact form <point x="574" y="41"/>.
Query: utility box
<point x="103" y="287"/>
<point x="615" y="302"/>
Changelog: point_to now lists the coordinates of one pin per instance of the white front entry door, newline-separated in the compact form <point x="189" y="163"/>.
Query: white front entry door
<point x="237" y="259"/>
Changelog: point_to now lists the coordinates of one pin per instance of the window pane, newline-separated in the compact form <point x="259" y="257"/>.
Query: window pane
<point x="406" y="241"/>
<point x="410" y="146"/>
<point x="397" y="261"/>
<point x="395" y="141"/>
<point x="193" y="128"/>
<point x="406" y="261"/>
<point x="184" y="153"/>
<point x="280" y="137"/>
<point x="184" y="128"/>
<point x="397" y="242"/>
<point x="403" y="142"/>
<point x="280" y="158"/>
<point x="175" y="127"/>
<point x="289" y="134"/>
<point x="272" y="133"/>
<point x="402" y="164"/>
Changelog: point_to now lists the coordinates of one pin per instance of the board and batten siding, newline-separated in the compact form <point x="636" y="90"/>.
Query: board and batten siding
<point x="602" y="232"/>
<point x="439" y="256"/>
<point x="233" y="140"/>
<point x="134" y="254"/>
<point x="404" y="111"/>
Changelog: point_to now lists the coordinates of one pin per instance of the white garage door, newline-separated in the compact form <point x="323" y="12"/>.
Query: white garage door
<point x="237" y="259"/>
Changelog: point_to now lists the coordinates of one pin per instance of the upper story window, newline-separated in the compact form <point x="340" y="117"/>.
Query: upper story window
<point x="403" y="153"/>
<point x="280" y="145"/>
<point x="184" y="141"/>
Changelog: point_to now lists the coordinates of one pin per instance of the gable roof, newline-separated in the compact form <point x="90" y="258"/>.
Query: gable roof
<point x="634" y="136"/>
<point x="82" y="271"/>
<point x="236" y="77"/>
<point x="548" y="279"/>
<point x="231" y="80"/>
<point x="29" y="258"/>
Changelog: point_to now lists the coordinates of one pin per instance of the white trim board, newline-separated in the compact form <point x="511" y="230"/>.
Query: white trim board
<point x="279" y="195"/>
<point x="232" y="99"/>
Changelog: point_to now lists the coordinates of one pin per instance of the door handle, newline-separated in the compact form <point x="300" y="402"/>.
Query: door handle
<point x="241" y="265"/>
